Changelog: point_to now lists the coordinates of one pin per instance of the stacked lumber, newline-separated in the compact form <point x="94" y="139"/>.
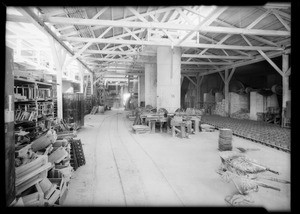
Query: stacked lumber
<point x="140" y="129"/>
<point x="225" y="140"/>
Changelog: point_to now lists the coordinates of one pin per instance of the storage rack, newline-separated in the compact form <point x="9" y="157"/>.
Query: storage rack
<point x="33" y="100"/>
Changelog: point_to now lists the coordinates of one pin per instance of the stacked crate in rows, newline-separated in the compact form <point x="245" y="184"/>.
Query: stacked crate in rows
<point x="241" y="114"/>
<point x="220" y="108"/>
<point x="238" y="102"/>
<point x="259" y="131"/>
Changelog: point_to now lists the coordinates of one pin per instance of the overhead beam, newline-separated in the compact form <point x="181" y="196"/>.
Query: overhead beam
<point x="17" y="18"/>
<point x="35" y="20"/>
<point x="232" y="26"/>
<point x="190" y="80"/>
<point x="208" y="20"/>
<point x="204" y="63"/>
<point x="281" y="20"/>
<point x="271" y="62"/>
<point x="243" y="63"/>
<point x="100" y="13"/>
<point x="131" y="53"/>
<point x="261" y="17"/>
<point x="168" y="43"/>
<point x="86" y="46"/>
<point x="168" y="26"/>
<point x="215" y="56"/>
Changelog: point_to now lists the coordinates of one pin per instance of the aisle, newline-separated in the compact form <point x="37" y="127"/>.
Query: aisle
<point x="125" y="169"/>
<point x="117" y="172"/>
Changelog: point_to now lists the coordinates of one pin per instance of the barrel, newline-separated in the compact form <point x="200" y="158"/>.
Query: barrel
<point x="101" y="109"/>
<point x="225" y="140"/>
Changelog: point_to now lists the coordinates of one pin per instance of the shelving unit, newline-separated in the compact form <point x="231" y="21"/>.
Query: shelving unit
<point x="34" y="100"/>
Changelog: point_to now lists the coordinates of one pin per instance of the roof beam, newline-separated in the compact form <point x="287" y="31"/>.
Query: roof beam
<point x="219" y="43"/>
<point x="143" y="14"/>
<point x="129" y="53"/>
<point x="86" y="46"/>
<point x="168" y="43"/>
<point x="204" y="63"/>
<point x="208" y="20"/>
<point x="139" y="16"/>
<point x="281" y="20"/>
<point x="246" y="40"/>
<point x="229" y="25"/>
<point x="261" y="17"/>
<point x="100" y="13"/>
<point x="168" y="26"/>
<point x="190" y="80"/>
<point x="35" y="20"/>
<point x="17" y="18"/>
<point x="215" y="56"/>
<point x="243" y="63"/>
<point x="271" y="62"/>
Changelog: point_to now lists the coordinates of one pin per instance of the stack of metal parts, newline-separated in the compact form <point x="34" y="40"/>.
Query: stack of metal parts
<point x="225" y="140"/>
<point x="77" y="155"/>
<point x="258" y="131"/>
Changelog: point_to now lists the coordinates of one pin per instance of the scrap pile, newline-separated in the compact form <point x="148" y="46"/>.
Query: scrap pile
<point x="243" y="172"/>
<point x="43" y="168"/>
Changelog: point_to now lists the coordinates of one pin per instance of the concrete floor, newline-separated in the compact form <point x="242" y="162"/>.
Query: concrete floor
<point x="125" y="169"/>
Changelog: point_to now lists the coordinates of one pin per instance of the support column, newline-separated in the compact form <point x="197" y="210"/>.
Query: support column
<point x="129" y="84"/>
<point x="150" y="84"/>
<point x="59" y="57"/>
<point x="198" y="91"/>
<point x="286" y="93"/>
<point x="226" y="93"/>
<point x="134" y="85"/>
<point x="168" y="78"/>
<point x="141" y="89"/>
<point x="226" y="79"/>
<point x="92" y="81"/>
<point x="81" y="74"/>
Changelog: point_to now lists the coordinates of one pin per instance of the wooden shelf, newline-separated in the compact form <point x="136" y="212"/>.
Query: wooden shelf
<point x="27" y="101"/>
<point x="21" y="80"/>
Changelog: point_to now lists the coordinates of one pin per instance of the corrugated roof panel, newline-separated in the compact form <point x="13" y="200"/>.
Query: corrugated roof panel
<point x="236" y="15"/>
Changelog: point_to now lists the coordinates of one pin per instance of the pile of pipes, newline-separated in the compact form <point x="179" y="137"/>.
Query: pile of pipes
<point x="247" y="175"/>
<point x="43" y="170"/>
